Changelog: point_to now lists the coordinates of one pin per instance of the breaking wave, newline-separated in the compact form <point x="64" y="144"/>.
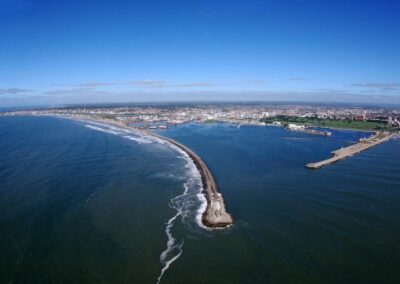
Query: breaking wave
<point x="140" y="138"/>
<point x="189" y="206"/>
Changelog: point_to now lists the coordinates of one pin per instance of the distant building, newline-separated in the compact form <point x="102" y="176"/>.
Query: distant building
<point x="390" y="121"/>
<point x="360" y="117"/>
<point x="293" y="126"/>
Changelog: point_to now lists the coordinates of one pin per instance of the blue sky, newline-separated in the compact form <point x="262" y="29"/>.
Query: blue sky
<point x="59" y="52"/>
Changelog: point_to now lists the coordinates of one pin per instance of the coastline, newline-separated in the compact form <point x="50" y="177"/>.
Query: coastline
<point x="328" y="128"/>
<point x="214" y="215"/>
<point x="236" y="123"/>
<point x="349" y="129"/>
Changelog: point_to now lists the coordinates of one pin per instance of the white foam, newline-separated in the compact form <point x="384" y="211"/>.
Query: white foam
<point x="201" y="210"/>
<point x="138" y="137"/>
<point x="169" y="262"/>
<point x="140" y="140"/>
<point x="171" y="246"/>
<point x="171" y="242"/>
<point x="195" y="175"/>
<point x="194" y="172"/>
<point x="183" y="203"/>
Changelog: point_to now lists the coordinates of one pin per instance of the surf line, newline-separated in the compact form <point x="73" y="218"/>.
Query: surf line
<point x="215" y="214"/>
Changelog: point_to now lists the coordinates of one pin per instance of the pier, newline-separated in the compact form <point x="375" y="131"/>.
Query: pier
<point x="215" y="215"/>
<point x="349" y="151"/>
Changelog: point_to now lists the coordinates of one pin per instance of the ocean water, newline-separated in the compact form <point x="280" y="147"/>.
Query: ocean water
<point x="88" y="203"/>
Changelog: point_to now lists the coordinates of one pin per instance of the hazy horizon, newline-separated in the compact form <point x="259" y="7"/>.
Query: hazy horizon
<point x="197" y="103"/>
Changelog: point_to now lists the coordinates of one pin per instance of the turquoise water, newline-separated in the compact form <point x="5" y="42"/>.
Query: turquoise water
<point x="85" y="203"/>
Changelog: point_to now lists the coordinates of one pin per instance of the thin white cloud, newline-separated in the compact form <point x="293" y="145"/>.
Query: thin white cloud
<point x="379" y="85"/>
<point x="74" y="92"/>
<point x="13" y="91"/>
<point x="95" y="84"/>
<point x="194" y="84"/>
<point x="147" y="83"/>
<point x="164" y="84"/>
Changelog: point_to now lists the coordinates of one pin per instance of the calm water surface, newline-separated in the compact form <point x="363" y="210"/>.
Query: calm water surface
<point x="84" y="203"/>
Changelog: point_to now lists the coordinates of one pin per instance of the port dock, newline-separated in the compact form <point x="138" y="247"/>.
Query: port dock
<point x="343" y="153"/>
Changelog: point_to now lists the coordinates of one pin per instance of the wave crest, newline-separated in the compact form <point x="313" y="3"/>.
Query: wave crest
<point x="189" y="206"/>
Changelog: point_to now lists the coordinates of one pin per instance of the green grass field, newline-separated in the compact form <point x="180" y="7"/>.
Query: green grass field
<point x="345" y="124"/>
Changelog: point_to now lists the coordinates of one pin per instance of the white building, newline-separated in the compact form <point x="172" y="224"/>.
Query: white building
<point x="293" y="126"/>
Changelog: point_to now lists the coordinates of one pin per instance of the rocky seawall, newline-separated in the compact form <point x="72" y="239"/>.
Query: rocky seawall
<point x="215" y="215"/>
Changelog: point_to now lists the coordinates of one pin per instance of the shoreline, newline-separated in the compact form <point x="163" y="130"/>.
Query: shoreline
<point x="273" y="125"/>
<point x="348" y="129"/>
<point x="215" y="215"/>
<point x="328" y="128"/>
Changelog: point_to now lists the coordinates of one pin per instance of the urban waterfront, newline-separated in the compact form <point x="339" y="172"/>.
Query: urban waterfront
<point x="89" y="203"/>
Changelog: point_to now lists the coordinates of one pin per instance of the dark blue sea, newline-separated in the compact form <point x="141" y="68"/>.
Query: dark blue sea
<point x="85" y="202"/>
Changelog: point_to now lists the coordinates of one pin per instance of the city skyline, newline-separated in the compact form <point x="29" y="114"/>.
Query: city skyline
<point x="145" y="51"/>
